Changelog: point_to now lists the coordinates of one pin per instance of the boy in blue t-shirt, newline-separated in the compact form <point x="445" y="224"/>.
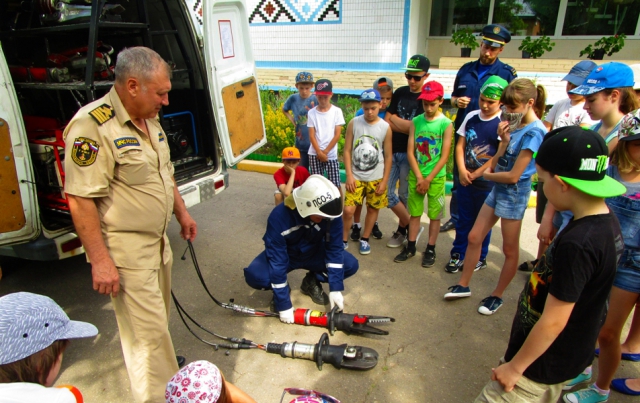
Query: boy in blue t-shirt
<point x="296" y="108"/>
<point x="476" y="145"/>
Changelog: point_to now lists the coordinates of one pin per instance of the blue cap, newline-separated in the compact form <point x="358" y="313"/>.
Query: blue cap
<point x="496" y="35"/>
<point x="579" y="72"/>
<point x="370" y="95"/>
<point x="606" y="76"/>
<point x="304" y="77"/>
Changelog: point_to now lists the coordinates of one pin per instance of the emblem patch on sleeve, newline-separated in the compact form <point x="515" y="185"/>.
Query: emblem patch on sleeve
<point x="85" y="151"/>
<point x="102" y="113"/>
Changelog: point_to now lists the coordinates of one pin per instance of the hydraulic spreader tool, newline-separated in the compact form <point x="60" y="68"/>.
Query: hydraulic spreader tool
<point x="342" y="356"/>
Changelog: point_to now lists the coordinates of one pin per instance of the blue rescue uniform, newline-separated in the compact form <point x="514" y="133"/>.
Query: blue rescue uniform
<point x="292" y="242"/>
<point x="468" y="84"/>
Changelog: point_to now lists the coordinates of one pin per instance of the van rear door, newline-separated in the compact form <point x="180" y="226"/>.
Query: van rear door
<point x="19" y="220"/>
<point x="232" y="78"/>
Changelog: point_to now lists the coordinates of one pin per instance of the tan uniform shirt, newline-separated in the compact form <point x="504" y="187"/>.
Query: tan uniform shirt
<point x="130" y="177"/>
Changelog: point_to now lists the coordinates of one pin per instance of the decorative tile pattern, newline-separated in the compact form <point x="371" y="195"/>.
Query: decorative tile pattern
<point x="294" y="11"/>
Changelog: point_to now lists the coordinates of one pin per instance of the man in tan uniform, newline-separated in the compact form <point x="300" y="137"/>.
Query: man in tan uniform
<point x="121" y="191"/>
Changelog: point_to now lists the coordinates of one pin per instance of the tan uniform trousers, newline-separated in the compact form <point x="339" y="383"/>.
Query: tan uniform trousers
<point x="525" y="391"/>
<point x="142" y="313"/>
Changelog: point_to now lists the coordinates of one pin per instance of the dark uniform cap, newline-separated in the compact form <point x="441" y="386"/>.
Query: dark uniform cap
<point x="495" y="35"/>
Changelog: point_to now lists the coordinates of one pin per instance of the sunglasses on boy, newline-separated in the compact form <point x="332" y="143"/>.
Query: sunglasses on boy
<point x="414" y="78"/>
<point x="310" y="393"/>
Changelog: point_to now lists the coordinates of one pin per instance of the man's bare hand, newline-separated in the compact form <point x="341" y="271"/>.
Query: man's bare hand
<point x="106" y="279"/>
<point x="463" y="102"/>
<point x="189" y="228"/>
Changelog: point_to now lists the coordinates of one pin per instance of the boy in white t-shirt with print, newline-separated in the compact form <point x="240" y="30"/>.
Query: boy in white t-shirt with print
<point x="367" y="148"/>
<point x="325" y="123"/>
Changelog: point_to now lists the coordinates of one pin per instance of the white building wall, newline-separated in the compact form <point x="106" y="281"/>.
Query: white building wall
<point x="365" y="35"/>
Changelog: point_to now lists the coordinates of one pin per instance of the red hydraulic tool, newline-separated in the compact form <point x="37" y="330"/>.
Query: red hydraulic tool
<point x="338" y="320"/>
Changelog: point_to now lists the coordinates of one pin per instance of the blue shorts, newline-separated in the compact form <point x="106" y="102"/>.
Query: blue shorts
<point x="509" y="201"/>
<point x="628" y="271"/>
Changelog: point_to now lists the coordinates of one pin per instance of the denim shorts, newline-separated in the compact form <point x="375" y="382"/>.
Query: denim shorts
<point x="628" y="271"/>
<point x="510" y="201"/>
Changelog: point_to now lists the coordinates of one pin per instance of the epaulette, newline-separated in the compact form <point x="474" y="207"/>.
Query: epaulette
<point x="102" y="113"/>
<point x="511" y="69"/>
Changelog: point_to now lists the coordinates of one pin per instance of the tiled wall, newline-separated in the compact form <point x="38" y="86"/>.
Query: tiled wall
<point x="370" y="35"/>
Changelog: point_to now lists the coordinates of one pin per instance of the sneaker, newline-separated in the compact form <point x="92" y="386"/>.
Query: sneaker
<point x="490" y="305"/>
<point x="482" y="264"/>
<point x="397" y="239"/>
<point x="404" y="255"/>
<point x="578" y="379"/>
<point x="528" y="265"/>
<point x="428" y="258"/>
<point x="588" y="395"/>
<point x="355" y="233"/>
<point x="365" y="248"/>
<point x="311" y="286"/>
<point x="448" y="226"/>
<point x="455" y="264"/>
<point x="345" y="244"/>
<point x="457" y="291"/>
<point x="375" y="232"/>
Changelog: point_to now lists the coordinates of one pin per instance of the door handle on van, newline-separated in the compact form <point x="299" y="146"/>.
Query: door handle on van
<point x="248" y="82"/>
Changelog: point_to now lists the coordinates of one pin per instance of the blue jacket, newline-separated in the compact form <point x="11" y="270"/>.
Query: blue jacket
<point x="291" y="240"/>
<point x="467" y="84"/>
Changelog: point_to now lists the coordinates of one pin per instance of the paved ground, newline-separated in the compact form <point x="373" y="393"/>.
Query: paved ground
<point x="437" y="351"/>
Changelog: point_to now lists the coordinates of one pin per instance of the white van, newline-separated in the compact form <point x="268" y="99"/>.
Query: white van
<point x="46" y="76"/>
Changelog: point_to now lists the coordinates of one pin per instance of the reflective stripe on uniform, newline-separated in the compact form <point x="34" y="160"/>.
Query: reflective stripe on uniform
<point x="334" y="265"/>
<point x="279" y="285"/>
<point x="290" y="230"/>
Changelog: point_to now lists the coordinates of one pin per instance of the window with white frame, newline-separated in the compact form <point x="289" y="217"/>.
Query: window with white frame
<point x="537" y="17"/>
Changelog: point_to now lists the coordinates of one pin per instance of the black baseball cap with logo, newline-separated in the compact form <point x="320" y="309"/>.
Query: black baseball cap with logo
<point x="418" y="63"/>
<point x="323" y="87"/>
<point x="579" y="157"/>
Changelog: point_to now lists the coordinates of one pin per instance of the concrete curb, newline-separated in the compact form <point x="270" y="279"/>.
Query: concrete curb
<point x="271" y="167"/>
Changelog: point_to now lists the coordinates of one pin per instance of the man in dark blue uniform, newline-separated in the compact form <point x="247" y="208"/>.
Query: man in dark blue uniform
<point x="304" y="232"/>
<point x="466" y="91"/>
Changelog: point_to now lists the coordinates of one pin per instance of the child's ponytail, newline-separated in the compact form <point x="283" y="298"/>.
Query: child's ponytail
<point x="540" y="104"/>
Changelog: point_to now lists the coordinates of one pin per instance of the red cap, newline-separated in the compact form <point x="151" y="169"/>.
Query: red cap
<point x="431" y="90"/>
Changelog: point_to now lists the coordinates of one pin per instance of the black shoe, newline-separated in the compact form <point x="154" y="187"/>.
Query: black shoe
<point x="428" y="258"/>
<point x="181" y="361"/>
<point x="405" y="255"/>
<point x="448" y="226"/>
<point x="377" y="234"/>
<point x="355" y="233"/>
<point x="482" y="264"/>
<point x="311" y="286"/>
<point x="528" y="265"/>
<point x="455" y="264"/>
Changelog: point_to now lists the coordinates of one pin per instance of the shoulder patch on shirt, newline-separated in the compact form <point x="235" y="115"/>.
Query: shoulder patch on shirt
<point x="102" y="113"/>
<point x="126" y="141"/>
<point x="84" y="151"/>
<point x="160" y="136"/>
<point x="511" y="69"/>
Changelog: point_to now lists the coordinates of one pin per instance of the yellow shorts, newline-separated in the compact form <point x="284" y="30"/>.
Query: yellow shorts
<point x="368" y="190"/>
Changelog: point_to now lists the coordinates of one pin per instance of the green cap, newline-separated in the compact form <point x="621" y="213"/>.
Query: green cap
<point x="493" y="87"/>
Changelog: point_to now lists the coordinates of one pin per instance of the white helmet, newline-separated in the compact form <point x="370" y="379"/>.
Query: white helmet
<point x="318" y="196"/>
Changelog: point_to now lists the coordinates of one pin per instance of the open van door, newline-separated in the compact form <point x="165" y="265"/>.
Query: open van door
<point x="232" y="78"/>
<point x="18" y="203"/>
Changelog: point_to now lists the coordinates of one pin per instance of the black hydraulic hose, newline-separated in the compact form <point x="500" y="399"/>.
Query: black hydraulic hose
<point x="231" y="305"/>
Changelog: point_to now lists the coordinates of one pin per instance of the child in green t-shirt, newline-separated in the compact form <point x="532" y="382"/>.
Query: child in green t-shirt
<point x="429" y="140"/>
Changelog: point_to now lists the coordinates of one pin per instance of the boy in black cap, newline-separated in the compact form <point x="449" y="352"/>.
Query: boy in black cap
<point x="563" y="305"/>
<point x="403" y="108"/>
<point x="466" y="91"/>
